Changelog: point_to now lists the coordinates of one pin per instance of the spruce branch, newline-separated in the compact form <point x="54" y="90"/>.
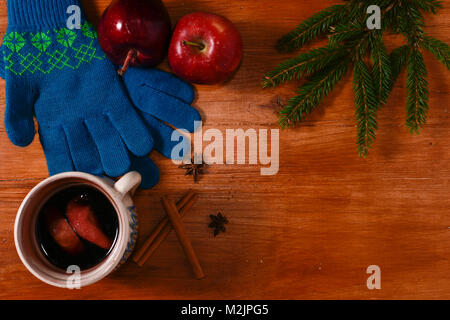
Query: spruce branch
<point x="398" y="58"/>
<point x="303" y="65"/>
<point x="430" y="6"/>
<point x="311" y="28"/>
<point x="439" y="49"/>
<point x="381" y="70"/>
<point x="417" y="92"/>
<point x="411" y="23"/>
<point x="390" y="20"/>
<point x="366" y="106"/>
<point x="344" y="32"/>
<point x="350" y="41"/>
<point x="360" y="45"/>
<point x="312" y="93"/>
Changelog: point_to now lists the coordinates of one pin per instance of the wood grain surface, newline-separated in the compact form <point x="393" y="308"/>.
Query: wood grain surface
<point x="308" y="232"/>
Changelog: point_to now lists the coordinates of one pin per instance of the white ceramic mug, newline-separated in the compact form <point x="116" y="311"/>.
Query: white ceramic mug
<point x="118" y="193"/>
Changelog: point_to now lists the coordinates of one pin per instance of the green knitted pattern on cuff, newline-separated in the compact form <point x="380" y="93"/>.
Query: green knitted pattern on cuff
<point x="41" y="52"/>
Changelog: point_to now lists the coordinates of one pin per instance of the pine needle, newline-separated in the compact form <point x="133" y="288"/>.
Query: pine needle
<point x="411" y="23"/>
<point x="366" y="106"/>
<point x="417" y="92"/>
<point x="351" y="41"/>
<point x="438" y="48"/>
<point x="398" y="58"/>
<point x="303" y="65"/>
<point x="430" y="6"/>
<point x="381" y="70"/>
<point x="312" y="93"/>
<point x="311" y="28"/>
<point x="345" y="32"/>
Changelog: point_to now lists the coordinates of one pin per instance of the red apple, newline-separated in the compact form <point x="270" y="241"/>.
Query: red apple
<point x="62" y="232"/>
<point x="205" y="48"/>
<point x="135" y="32"/>
<point x="85" y="223"/>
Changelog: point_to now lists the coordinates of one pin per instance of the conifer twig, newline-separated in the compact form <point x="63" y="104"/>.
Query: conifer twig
<point x="350" y="41"/>
<point x="303" y="65"/>
<point x="366" y="106"/>
<point x="381" y="70"/>
<point x="417" y="92"/>
<point x="438" y="48"/>
<point x="312" y="93"/>
<point x="311" y="28"/>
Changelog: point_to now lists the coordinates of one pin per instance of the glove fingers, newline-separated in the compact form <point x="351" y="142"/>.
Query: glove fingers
<point x="133" y="132"/>
<point x="166" y="108"/>
<point x="113" y="153"/>
<point x="162" y="136"/>
<point x="56" y="149"/>
<point x="160" y="81"/>
<point x="148" y="170"/>
<point x="84" y="153"/>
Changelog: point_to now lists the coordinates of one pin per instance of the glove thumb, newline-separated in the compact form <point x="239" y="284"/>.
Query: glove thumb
<point x="160" y="81"/>
<point x="148" y="170"/>
<point x="19" y="122"/>
<point x="2" y="62"/>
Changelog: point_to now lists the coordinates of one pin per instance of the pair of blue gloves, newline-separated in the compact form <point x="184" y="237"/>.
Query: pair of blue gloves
<point x="90" y="119"/>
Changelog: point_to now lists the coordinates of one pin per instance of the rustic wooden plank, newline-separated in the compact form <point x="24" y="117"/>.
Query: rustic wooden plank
<point x="308" y="232"/>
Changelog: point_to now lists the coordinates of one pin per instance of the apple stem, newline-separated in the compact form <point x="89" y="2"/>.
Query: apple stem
<point x="201" y="46"/>
<point x="131" y="55"/>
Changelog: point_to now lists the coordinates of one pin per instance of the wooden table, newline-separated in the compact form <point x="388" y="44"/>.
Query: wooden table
<point x="308" y="232"/>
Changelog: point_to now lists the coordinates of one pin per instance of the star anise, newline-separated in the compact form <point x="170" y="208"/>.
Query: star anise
<point x="218" y="223"/>
<point x="194" y="169"/>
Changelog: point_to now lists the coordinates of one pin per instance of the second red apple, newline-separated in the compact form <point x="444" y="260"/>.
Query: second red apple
<point x="205" y="48"/>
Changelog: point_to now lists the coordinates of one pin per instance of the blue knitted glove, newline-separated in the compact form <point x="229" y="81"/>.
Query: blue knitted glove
<point x="84" y="116"/>
<point x="86" y="121"/>
<point x="150" y="89"/>
<point x="2" y="64"/>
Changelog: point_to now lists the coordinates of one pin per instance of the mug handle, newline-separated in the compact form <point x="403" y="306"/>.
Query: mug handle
<point x="128" y="184"/>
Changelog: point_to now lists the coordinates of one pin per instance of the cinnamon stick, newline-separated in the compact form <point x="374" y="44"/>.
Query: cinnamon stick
<point x="164" y="232"/>
<point x="141" y="253"/>
<point x="183" y="237"/>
